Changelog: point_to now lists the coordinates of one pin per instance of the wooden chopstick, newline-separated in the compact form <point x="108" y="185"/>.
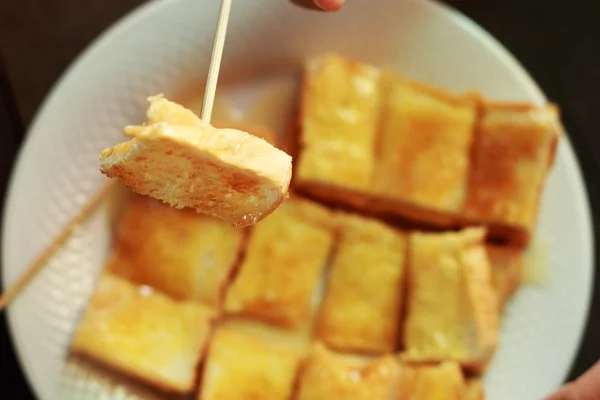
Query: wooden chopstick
<point x="215" y="61"/>
<point x="86" y="211"/>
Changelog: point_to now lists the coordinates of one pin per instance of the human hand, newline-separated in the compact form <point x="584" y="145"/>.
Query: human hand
<point x="586" y="387"/>
<point x="325" y="5"/>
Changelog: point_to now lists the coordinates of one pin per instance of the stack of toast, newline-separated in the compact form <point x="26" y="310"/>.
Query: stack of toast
<point x="380" y="143"/>
<point x="318" y="301"/>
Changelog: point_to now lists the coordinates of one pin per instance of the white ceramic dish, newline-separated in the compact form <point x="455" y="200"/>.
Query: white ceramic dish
<point x="166" y="43"/>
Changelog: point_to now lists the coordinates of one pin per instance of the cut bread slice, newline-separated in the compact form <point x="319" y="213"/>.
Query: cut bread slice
<point x="513" y="152"/>
<point x="241" y="366"/>
<point x="224" y="173"/>
<point x="144" y="334"/>
<point x="507" y="271"/>
<point x="284" y="260"/>
<point x="340" y="107"/>
<point x="328" y="375"/>
<point x="425" y="145"/>
<point x="452" y="312"/>
<point x="179" y="252"/>
<point x="362" y="305"/>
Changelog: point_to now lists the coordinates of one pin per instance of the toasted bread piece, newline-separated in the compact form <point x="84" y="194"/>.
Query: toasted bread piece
<point x="475" y="389"/>
<point x="514" y="149"/>
<point x="507" y="270"/>
<point x="444" y="381"/>
<point x="225" y="173"/>
<point x="363" y="298"/>
<point x="179" y="252"/>
<point x="284" y="259"/>
<point x="144" y="334"/>
<point x="328" y="375"/>
<point x="425" y="147"/>
<point x="240" y="366"/>
<point x="452" y="311"/>
<point x="339" y="113"/>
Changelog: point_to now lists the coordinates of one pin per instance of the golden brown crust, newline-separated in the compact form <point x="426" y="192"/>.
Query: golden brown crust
<point x="452" y="311"/>
<point x="225" y="173"/>
<point x="239" y="366"/>
<point x="183" y="254"/>
<point x="363" y="297"/>
<point x="144" y="334"/>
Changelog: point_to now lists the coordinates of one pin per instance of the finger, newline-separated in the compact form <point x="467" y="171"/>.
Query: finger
<point x="320" y="5"/>
<point x="330" y="5"/>
<point x="586" y="387"/>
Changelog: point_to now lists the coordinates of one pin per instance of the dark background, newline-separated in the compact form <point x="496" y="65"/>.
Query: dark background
<point x="558" y="41"/>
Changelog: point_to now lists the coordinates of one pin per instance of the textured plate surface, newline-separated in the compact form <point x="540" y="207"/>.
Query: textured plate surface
<point x="164" y="44"/>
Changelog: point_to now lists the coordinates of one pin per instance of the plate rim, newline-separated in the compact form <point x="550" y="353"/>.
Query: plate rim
<point x="106" y="37"/>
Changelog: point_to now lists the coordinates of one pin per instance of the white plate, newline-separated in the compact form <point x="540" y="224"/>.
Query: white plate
<point x="163" y="44"/>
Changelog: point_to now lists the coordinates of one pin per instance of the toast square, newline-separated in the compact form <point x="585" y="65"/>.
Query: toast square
<point x="443" y="381"/>
<point x="475" y="389"/>
<point x="452" y="310"/>
<point x="285" y="257"/>
<point x="507" y="271"/>
<point x="185" y="255"/>
<point x="513" y="152"/>
<point x="363" y="297"/>
<point x="425" y="145"/>
<point x="339" y="116"/>
<point x="328" y="375"/>
<point x="239" y="366"/>
<point x="144" y="334"/>
<point x="184" y="162"/>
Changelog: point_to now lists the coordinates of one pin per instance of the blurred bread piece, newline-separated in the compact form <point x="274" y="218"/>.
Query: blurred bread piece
<point x="328" y="375"/>
<point x="513" y="152"/>
<point x="284" y="260"/>
<point x="425" y="144"/>
<point x="443" y="381"/>
<point x="144" y="334"/>
<point x="185" y="255"/>
<point x="240" y="366"/>
<point x="362" y="305"/>
<point x="339" y="113"/>
<point x="475" y="389"/>
<point x="508" y="263"/>
<point x="178" y="159"/>
<point x="452" y="308"/>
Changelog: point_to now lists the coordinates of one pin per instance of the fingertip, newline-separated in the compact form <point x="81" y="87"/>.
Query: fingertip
<point x="330" y="5"/>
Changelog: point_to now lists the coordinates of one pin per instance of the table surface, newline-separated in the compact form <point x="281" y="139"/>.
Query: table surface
<point x="556" y="40"/>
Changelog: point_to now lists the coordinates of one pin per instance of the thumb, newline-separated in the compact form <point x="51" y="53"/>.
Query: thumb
<point x="586" y="387"/>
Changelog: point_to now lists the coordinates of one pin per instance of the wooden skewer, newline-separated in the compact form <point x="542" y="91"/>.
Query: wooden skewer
<point x="17" y="287"/>
<point x="215" y="61"/>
